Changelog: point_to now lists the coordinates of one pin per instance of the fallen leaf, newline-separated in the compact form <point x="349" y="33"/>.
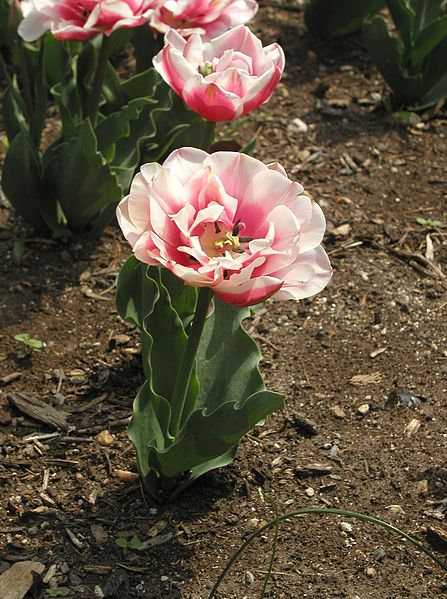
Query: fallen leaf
<point x="412" y="427"/>
<point x="16" y="581"/>
<point x="99" y="534"/>
<point x="366" y="379"/>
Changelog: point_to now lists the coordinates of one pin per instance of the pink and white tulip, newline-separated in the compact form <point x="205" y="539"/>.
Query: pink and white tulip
<point x="209" y="18"/>
<point x="81" y="19"/>
<point x="222" y="79"/>
<point x="229" y="222"/>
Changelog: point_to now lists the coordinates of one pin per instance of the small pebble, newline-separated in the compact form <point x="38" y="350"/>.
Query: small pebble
<point x="297" y="126"/>
<point x="379" y="554"/>
<point x="249" y="577"/>
<point x="363" y="409"/>
<point x="346" y="526"/>
<point x="370" y="572"/>
<point x="310" y="492"/>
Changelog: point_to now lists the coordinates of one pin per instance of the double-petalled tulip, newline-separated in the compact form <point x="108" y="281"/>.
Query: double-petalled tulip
<point x="206" y="17"/>
<point x="222" y="79"/>
<point x="81" y="19"/>
<point x="229" y="222"/>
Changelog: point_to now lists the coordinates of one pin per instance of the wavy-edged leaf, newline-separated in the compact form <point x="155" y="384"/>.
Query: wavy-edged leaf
<point x="205" y="436"/>
<point x="21" y="179"/>
<point x="228" y="358"/>
<point x="428" y="39"/>
<point x="386" y="53"/>
<point x="403" y="16"/>
<point x="80" y="180"/>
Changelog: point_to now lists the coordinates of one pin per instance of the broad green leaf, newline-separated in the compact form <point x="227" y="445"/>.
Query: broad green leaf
<point x="21" y="179"/>
<point x="69" y="102"/>
<point x="135" y="293"/>
<point x="428" y="39"/>
<point x="55" y="58"/>
<point x="167" y="343"/>
<point x="117" y="125"/>
<point x="78" y="177"/>
<point x="149" y="431"/>
<point x="206" y="436"/>
<point x="13" y="111"/>
<point x="426" y="11"/>
<point x="141" y="85"/>
<point x="386" y="53"/>
<point x="435" y="80"/>
<point x="332" y="18"/>
<point x="111" y="91"/>
<point x="183" y="297"/>
<point x="403" y="16"/>
<point x="40" y="96"/>
<point x="228" y="358"/>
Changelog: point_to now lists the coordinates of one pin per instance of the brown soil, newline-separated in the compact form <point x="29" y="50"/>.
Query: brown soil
<point x="383" y="315"/>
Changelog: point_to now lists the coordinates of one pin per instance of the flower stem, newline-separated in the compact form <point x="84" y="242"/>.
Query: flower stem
<point x="98" y="79"/>
<point x="184" y="374"/>
<point x="210" y="128"/>
<point x="321" y="511"/>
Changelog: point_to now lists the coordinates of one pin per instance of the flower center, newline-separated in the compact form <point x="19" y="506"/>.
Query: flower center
<point x="217" y="240"/>
<point x="206" y="68"/>
<point x="229" y="243"/>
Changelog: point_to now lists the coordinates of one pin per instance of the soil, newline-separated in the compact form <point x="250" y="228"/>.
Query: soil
<point x="67" y="498"/>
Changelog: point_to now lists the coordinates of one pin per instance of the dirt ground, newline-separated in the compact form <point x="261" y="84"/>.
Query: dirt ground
<point x="368" y="447"/>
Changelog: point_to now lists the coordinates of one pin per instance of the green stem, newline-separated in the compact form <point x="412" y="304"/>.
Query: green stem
<point x="184" y="375"/>
<point x="315" y="510"/>
<point x="98" y="80"/>
<point x="208" y="140"/>
<point x="27" y="93"/>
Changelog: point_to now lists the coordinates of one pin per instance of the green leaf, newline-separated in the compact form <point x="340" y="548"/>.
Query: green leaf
<point x="55" y="59"/>
<point x="386" y="53"/>
<point x="332" y="18"/>
<point x="228" y="358"/>
<point x="18" y="249"/>
<point x="165" y="338"/>
<point x="111" y="91"/>
<point x="134" y="543"/>
<point x="80" y="180"/>
<point x="141" y="85"/>
<point x="40" y="96"/>
<point x="117" y="125"/>
<point x="403" y="16"/>
<point x="121" y="542"/>
<point x="433" y="224"/>
<point x="136" y="294"/>
<point x="428" y="39"/>
<point x="427" y="11"/>
<point x="14" y="111"/>
<point x="21" y="179"/>
<point x="68" y="99"/>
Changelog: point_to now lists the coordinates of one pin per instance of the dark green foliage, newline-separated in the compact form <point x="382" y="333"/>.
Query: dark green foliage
<point x="413" y="60"/>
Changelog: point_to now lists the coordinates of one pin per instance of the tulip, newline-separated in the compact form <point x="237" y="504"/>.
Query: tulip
<point x="206" y="17"/>
<point x="228" y="222"/>
<point x="223" y="79"/>
<point x="81" y="19"/>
